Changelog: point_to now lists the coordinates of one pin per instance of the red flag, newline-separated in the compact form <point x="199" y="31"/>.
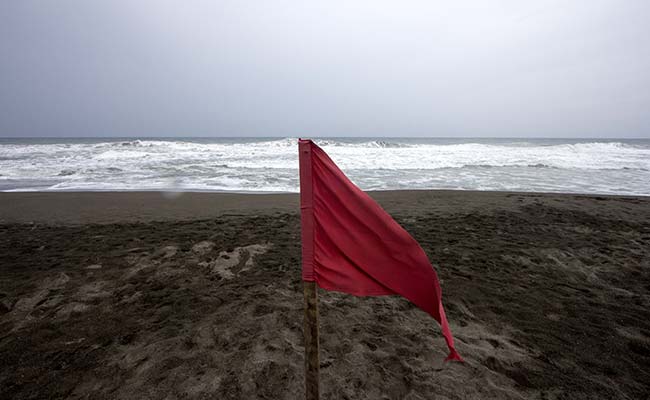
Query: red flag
<point x="350" y="244"/>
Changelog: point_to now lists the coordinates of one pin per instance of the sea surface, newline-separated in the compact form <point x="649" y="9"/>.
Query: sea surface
<point x="594" y="166"/>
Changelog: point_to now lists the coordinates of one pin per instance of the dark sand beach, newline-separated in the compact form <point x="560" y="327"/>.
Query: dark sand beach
<point x="152" y="296"/>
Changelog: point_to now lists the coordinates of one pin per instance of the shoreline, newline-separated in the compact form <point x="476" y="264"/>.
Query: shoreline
<point x="79" y="207"/>
<point x="173" y="193"/>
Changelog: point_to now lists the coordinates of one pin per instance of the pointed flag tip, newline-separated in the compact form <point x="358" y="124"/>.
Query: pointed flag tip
<point x="454" y="356"/>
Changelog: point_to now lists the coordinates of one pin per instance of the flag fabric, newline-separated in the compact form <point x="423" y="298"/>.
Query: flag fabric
<point x="350" y="244"/>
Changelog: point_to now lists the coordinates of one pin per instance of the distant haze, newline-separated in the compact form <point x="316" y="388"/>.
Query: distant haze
<point x="329" y="68"/>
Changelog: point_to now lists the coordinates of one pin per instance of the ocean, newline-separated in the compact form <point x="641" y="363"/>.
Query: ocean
<point x="591" y="166"/>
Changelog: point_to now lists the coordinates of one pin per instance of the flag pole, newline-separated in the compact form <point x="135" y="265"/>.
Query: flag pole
<point x="310" y="289"/>
<point x="312" y="363"/>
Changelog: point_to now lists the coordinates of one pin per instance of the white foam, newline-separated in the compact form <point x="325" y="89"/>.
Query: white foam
<point x="272" y="165"/>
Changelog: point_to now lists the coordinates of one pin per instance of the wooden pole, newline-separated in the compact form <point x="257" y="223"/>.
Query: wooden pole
<point x="312" y="362"/>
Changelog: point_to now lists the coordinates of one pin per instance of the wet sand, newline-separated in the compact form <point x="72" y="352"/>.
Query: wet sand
<point x="145" y="295"/>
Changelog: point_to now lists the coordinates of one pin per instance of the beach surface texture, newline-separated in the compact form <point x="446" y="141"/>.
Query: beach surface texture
<point x="149" y="295"/>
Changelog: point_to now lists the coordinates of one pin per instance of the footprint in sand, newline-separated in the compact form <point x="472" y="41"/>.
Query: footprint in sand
<point x="203" y="247"/>
<point x="166" y="252"/>
<point x="66" y="311"/>
<point x="21" y="311"/>
<point x="229" y="263"/>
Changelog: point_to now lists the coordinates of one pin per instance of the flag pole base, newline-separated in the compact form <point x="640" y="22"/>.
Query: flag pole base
<point x="312" y="362"/>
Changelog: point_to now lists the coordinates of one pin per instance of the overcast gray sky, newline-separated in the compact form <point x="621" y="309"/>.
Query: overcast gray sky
<point x="331" y="68"/>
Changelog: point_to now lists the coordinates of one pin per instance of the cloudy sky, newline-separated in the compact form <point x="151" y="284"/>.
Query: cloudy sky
<point x="553" y="68"/>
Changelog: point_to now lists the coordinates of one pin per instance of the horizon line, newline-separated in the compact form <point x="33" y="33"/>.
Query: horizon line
<point x="327" y="137"/>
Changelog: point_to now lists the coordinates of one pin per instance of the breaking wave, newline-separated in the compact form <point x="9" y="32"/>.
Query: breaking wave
<point x="375" y="164"/>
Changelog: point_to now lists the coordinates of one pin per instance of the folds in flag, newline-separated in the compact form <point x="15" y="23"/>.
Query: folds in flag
<point x="350" y="244"/>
